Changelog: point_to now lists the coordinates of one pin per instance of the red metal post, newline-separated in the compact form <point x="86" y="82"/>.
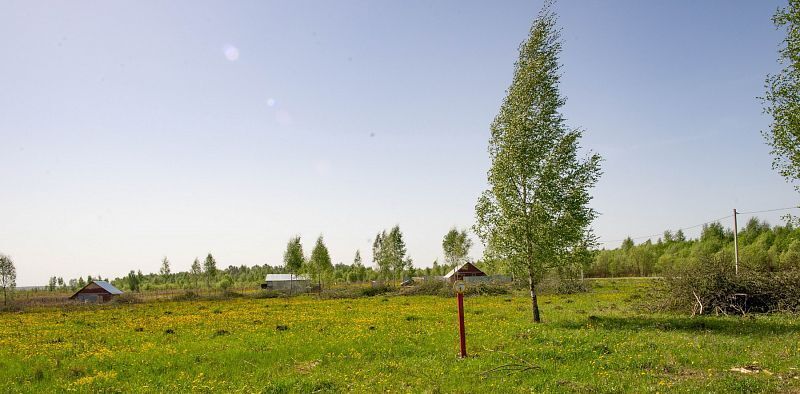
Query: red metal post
<point x="461" y="324"/>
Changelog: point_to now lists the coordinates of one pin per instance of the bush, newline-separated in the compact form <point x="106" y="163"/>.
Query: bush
<point x="188" y="295"/>
<point x="711" y="285"/>
<point x="445" y="289"/>
<point x="555" y="285"/>
<point x="376" y="290"/>
<point x="341" y="292"/>
<point x="428" y="287"/>
<point x="488" y="289"/>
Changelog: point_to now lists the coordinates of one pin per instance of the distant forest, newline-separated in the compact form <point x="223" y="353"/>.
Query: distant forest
<point x="762" y="247"/>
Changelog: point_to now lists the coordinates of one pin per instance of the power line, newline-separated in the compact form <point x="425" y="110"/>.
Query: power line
<point x="657" y="234"/>
<point x="769" y="210"/>
<point x="698" y="225"/>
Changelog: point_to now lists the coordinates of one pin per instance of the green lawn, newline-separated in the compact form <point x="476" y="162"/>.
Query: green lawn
<point x="592" y="342"/>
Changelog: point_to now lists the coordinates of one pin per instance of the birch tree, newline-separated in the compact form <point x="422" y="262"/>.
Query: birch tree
<point x="782" y="100"/>
<point x="535" y="212"/>
<point x="8" y="277"/>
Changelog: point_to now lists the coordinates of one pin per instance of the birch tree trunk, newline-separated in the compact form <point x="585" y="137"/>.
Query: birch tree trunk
<point x="534" y="301"/>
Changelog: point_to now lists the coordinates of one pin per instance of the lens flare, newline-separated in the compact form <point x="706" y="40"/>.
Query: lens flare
<point x="231" y="52"/>
<point x="271" y="102"/>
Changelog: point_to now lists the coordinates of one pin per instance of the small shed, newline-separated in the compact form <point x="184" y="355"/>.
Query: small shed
<point x="96" y="291"/>
<point x="286" y="282"/>
<point x="462" y="271"/>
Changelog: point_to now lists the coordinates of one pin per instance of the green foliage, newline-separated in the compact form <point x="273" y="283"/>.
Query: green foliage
<point x="8" y="278"/>
<point x="442" y="288"/>
<point x="535" y="212"/>
<point x="319" y="264"/>
<point x="376" y="290"/>
<point x="594" y="343"/>
<point x="132" y="281"/>
<point x="293" y="257"/>
<point x="456" y="246"/>
<point x="196" y="270"/>
<point x="782" y="99"/>
<point x="389" y="253"/>
<point x="225" y="283"/>
<point x="762" y="248"/>
<point x="357" y="272"/>
<point x="210" y="268"/>
<point x="165" y="270"/>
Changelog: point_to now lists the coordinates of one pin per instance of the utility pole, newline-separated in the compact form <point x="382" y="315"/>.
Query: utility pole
<point x="735" y="241"/>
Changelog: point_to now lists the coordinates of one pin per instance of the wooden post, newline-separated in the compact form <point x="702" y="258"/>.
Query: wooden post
<point x="735" y="242"/>
<point x="461" y="332"/>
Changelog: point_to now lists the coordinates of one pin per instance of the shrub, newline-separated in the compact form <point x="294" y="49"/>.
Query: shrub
<point x="556" y="285"/>
<point x="342" y="292"/>
<point x="428" y="287"/>
<point x="489" y="289"/>
<point x="188" y="295"/>
<point x="445" y="289"/>
<point x="710" y="285"/>
<point x="376" y="290"/>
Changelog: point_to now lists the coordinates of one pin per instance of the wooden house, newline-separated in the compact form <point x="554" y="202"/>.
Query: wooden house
<point x="462" y="271"/>
<point x="96" y="291"/>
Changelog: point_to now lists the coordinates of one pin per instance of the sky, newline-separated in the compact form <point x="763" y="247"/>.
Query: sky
<point x="135" y="130"/>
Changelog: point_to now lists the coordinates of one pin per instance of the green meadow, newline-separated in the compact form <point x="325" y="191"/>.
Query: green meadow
<point x="599" y="341"/>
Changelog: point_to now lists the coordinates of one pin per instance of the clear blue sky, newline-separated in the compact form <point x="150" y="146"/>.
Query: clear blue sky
<point x="133" y="130"/>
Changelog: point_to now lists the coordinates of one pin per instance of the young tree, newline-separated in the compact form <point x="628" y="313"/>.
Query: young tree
<point x="210" y="268"/>
<point x="456" y="246"/>
<point x="436" y="269"/>
<point x="8" y="277"/>
<point x="397" y="253"/>
<point x="379" y="254"/>
<point x="165" y="271"/>
<point x="782" y="100"/>
<point x="389" y="253"/>
<point x="196" y="270"/>
<point x="679" y="236"/>
<point x="51" y="284"/>
<point x="293" y="258"/>
<point x="320" y="261"/>
<point x="225" y="283"/>
<point x="133" y="281"/>
<point x="535" y="212"/>
<point x="358" y="271"/>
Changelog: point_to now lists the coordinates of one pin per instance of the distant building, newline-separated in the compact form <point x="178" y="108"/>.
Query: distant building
<point x="286" y="282"/>
<point x="462" y="271"/>
<point x="96" y="291"/>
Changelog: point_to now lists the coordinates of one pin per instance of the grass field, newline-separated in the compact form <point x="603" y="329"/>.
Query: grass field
<point x="591" y="342"/>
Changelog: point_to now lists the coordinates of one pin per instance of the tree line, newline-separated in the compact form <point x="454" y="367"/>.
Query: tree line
<point x="762" y="247"/>
<point x="390" y="263"/>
